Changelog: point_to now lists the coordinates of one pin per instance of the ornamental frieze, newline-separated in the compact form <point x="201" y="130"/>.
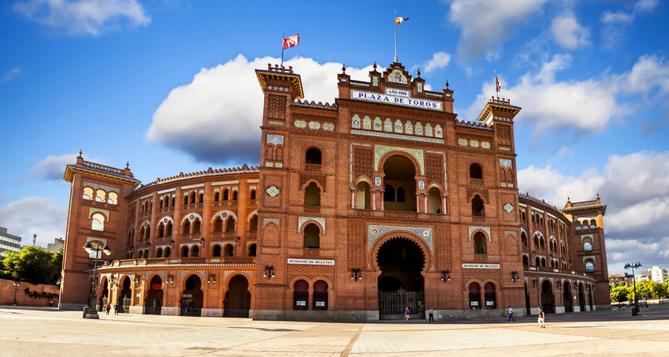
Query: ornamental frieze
<point x="375" y="232"/>
<point x="380" y="150"/>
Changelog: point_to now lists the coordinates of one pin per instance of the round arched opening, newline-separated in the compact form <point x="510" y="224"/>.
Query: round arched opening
<point x="547" y="297"/>
<point x="154" y="299"/>
<point x="123" y="302"/>
<point x="192" y="297"/>
<point x="567" y="297"/>
<point x="400" y="184"/>
<point x="238" y="298"/>
<point x="104" y="296"/>
<point x="400" y="283"/>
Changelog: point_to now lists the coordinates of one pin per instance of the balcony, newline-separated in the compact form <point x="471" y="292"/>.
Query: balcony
<point x="476" y="182"/>
<point x="239" y="260"/>
<point x="312" y="167"/>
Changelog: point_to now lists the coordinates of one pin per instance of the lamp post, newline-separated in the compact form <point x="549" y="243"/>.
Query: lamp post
<point x="90" y="312"/>
<point x="16" y="284"/>
<point x="635" y="310"/>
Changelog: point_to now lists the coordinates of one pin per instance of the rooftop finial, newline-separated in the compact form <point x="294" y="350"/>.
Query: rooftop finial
<point x="343" y="69"/>
<point x="127" y="164"/>
<point x="447" y="85"/>
<point x="81" y="153"/>
<point x="418" y="73"/>
<point x="374" y="66"/>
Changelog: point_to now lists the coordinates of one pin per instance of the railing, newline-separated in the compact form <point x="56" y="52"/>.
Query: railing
<point x="103" y="167"/>
<point x="475" y="182"/>
<point x="239" y="260"/>
<point x="312" y="167"/>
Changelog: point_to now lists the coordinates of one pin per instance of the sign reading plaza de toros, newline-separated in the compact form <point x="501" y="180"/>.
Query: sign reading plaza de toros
<point x="396" y="97"/>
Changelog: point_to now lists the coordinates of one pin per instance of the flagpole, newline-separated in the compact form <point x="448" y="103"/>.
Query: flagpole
<point x="395" y="37"/>
<point x="282" y="49"/>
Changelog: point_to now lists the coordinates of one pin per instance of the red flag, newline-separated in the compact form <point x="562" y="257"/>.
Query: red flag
<point x="291" y="41"/>
<point x="498" y="85"/>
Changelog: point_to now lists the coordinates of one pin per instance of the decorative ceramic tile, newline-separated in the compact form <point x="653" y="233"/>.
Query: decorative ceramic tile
<point x="272" y="191"/>
<point x="301" y="220"/>
<point x="275" y="139"/>
<point x="380" y="150"/>
<point x="473" y="229"/>
<point x="508" y="207"/>
<point x="506" y="163"/>
<point x="376" y="232"/>
<point x="300" y="124"/>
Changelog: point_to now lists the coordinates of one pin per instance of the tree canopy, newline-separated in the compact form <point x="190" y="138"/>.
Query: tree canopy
<point x="33" y="264"/>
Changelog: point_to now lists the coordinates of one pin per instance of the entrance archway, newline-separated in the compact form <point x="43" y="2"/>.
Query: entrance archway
<point x="123" y="302"/>
<point x="581" y="296"/>
<point x="547" y="297"/>
<point x="400" y="283"/>
<point x="192" y="297"/>
<point x="238" y="298"/>
<point x="567" y="297"/>
<point x="154" y="299"/>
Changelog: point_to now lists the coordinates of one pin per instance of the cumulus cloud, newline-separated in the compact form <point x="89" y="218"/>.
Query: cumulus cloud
<point x="648" y="74"/>
<point x="568" y="33"/>
<point x="610" y="18"/>
<point x="84" y="17"/>
<point x="52" y="167"/>
<point x="439" y="60"/>
<point x="636" y="189"/>
<point x="486" y="23"/>
<point x="10" y="75"/>
<point x="614" y="22"/>
<point x="216" y="117"/>
<point x="34" y="215"/>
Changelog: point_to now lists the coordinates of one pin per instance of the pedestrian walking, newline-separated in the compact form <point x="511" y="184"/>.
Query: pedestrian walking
<point x="116" y="309"/>
<point x="108" y="308"/>
<point x="430" y="314"/>
<point x="407" y="312"/>
<point x="510" y="313"/>
<point x="540" y="320"/>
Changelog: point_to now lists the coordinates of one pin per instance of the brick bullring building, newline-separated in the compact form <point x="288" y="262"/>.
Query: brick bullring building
<point x="381" y="200"/>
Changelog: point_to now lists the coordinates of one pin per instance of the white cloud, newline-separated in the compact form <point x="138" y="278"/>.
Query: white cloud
<point x="439" y="60"/>
<point x="568" y="33"/>
<point x="636" y="189"/>
<point x="53" y="167"/>
<point x="10" y="75"/>
<point x="216" y="117"/>
<point x="610" y="17"/>
<point x="34" y="215"/>
<point x="646" y="5"/>
<point x="84" y="17"/>
<point x="615" y="21"/>
<point x="486" y="23"/>
<point x="647" y="74"/>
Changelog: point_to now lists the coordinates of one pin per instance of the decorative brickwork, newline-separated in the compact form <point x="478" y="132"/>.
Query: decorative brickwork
<point x="356" y="244"/>
<point x="276" y="107"/>
<point x="362" y="161"/>
<point x="435" y="168"/>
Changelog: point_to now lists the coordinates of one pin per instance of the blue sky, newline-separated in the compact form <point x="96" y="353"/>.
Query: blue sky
<point x="150" y="82"/>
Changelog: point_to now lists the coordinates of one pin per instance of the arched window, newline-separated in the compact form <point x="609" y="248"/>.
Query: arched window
<point x="186" y="227"/>
<point x="474" y="296"/>
<point x="312" y="195"/>
<point x="140" y="254"/>
<point x="161" y="230"/>
<point x="523" y="238"/>
<point x="100" y="196"/>
<point x="587" y="246"/>
<point x="218" y="224"/>
<point x="186" y="200"/>
<point x="400" y="195"/>
<point x="217" y="196"/>
<point x="196" y="226"/>
<point x="389" y="193"/>
<point x="313" y="156"/>
<point x="526" y="261"/>
<point x="253" y="223"/>
<point x="543" y="262"/>
<point x="301" y="295"/>
<point x="112" y="198"/>
<point x="159" y="252"/>
<point x="362" y="196"/>
<point x="167" y="252"/>
<point x="320" y="299"/>
<point x="234" y="195"/>
<point x="192" y="198"/>
<point x="537" y="261"/>
<point x="228" y="250"/>
<point x="312" y="239"/>
<point x="147" y="233"/>
<point x="490" y="296"/>
<point x="230" y="225"/>
<point x="252" y="250"/>
<point x="434" y="201"/>
<point x="160" y="203"/>
<point x="480" y="243"/>
<point x="195" y="251"/>
<point x="173" y="201"/>
<point x="252" y="195"/>
<point x="201" y="198"/>
<point x="589" y="266"/>
<point x="216" y="251"/>
<point x="98" y="222"/>
<point x="226" y="194"/>
<point x="478" y="207"/>
<point x="475" y="171"/>
<point x="168" y="229"/>
<point x="88" y="193"/>
<point x="184" y="251"/>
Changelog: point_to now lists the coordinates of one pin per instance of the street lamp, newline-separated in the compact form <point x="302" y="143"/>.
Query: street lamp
<point x="635" y="310"/>
<point x="94" y="247"/>
<point x="16" y="284"/>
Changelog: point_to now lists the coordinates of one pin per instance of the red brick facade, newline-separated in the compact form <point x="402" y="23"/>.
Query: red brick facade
<point x="380" y="201"/>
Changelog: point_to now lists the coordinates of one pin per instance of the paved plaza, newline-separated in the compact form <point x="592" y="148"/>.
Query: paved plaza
<point x="51" y="332"/>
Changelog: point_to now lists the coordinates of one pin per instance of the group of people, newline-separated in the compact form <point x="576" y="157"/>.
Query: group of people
<point x="510" y="316"/>
<point x="108" y="308"/>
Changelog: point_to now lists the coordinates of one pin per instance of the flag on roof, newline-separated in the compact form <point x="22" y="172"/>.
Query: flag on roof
<point x="498" y="85"/>
<point x="400" y="19"/>
<point x="291" y="41"/>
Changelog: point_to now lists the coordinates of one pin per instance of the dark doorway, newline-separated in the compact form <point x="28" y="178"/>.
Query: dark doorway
<point x="547" y="297"/>
<point x="154" y="299"/>
<point x="527" y="301"/>
<point x="581" y="297"/>
<point x="567" y="297"/>
<point x="192" y="297"/>
<point x="104" y="297"/>
<point x="400" y="184"/>
<point x="123" y="302"/>
<point x="238" y="298"/>
<point x="400" y="283"/>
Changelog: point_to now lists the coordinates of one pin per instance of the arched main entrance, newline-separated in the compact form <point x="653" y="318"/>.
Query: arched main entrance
<point x="123" y="302"/>
<point x="400" y="283"/>
<point x="547" y="297"/>
<point x="192" y="297"/>
<point x="238" y="298"/>
<point x="154" y="299"/>
<point x="567" y="297"/>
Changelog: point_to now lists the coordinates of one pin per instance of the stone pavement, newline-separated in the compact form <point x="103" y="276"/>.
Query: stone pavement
<point x="53" y="333"/>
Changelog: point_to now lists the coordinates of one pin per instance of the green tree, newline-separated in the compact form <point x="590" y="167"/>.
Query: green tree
<point x="57" y="265"/>
<point x="619" y="293"/>
<point x="31" y="264"/>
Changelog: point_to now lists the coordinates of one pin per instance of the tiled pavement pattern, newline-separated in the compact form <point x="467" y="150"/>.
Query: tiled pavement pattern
<point x="56" y="333"/>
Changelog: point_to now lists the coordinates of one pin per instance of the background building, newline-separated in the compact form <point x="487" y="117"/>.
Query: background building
<point x="359" y="208"/>
<point x="58" y="244"/>
<point x="657" y="274"/>
<point x="8" y="242"/>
